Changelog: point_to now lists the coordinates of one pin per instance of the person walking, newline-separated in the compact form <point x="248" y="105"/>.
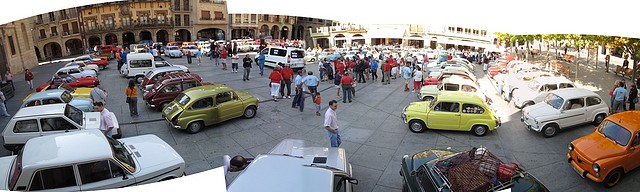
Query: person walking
<point x="223" y="57"/>
<point x="633" y="96"/>
<point x="215" y="54"/>
<point x="619" y="97"/>
<point x="322" y="70"/>
<point x="3" y="105"/>
<point x="374" y="69"/>
<point x="235" y="59"/>
<point x="28" y="77"/>
<point x="189" y="55"/>
<point x="8" y="76"/>
<point x="119" y="59"/>
<point x="106" y="122"/>
<point x="331" y="124"/>
<point x="607" y="58"/>
<point x="132" y="98"/>
<point x="275" y="78"/>
<point x="287" y="75"/>
<point x="311" y="81"/>
<point x="346" y="82"/>
<point x="298" y="99"/>
<point x="417" y="79"/>
<point x="317" y="101"/>
<point x="406" y="74"/>
<point x="97" y="93"/>
<point x="246" y="64"/>
<point x="261" y="59"/>
<point x="199" y="56"/>
<point x="336" y="82"/>
<point x="387" y="74"/>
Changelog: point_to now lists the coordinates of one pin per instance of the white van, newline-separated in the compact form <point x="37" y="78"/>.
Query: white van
<point x="275" y="55"/>
<point x="138" y="64"/>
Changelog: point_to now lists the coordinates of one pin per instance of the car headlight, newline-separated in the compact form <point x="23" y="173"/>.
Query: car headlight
<point x="596" y="168"/>
<point x="570" y="147"/>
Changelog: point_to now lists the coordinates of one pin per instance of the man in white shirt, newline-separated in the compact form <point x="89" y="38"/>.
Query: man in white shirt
<point x="106" y="122"/>
<point x="331" y="124"/>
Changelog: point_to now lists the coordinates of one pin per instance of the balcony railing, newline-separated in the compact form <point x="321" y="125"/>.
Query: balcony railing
<point x="213" y="1"/>
<point x="53" y="34"/>
<point x="205" y="18"/>
<point x="181" y="8"/>
<point x="218" y="18"/>
<point x="43" y="37"/>
<point x="183" y="24"/>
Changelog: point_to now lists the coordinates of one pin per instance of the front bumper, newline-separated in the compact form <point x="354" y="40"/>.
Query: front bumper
<point x="582" y="172"/>
<point x="532" y="126"/>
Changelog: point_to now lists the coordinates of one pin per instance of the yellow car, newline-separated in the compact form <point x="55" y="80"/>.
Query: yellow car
<point x="457" y="111"/>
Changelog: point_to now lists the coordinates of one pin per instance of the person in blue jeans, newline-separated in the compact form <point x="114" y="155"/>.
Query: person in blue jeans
<point x="298" y="100"/>
<point x="261" y="59"/>
<point x="311" y="82"/>
<point x="331" y="124"/>
<point x="619" y="97"/>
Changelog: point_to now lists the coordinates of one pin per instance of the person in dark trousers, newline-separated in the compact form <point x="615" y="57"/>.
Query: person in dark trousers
<point x="132" y="98"/>
<point x="28" y="77"/>
<point x="298" y="99"/>
<point x="287" y="75"/>
<point x="189" y="56"/>
<point x="633" y="97"/>
<point x="374" y="69"/>
<point x="346" y="83"/>
<point x="246" y="64"/>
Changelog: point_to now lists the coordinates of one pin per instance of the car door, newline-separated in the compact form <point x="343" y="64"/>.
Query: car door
<point x="229" y="106"/>
<point x="594" y="103"/>
<point x="60" y="178"/>
<point x="203" y="109"/>
<point x="168" y="93"/>
<point x="471" y="114"/>
<point x="633" y="154"/>
<point x="103" y="174"/>
<point x="444" y="115"/>
<point x="55" y="125"/>
<point x="573" y="112"/>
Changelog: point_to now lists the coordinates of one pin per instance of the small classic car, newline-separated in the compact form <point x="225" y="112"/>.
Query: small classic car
<point x="610" y="151"/>
<point x="156" y="74"/>
<point x="70" y="81"/>
<point x="206" y="105"/>
<point x="172" y="52"/>
<point x="84" y="66"/>
<point x="440" y="170"/>
<point x="513" y="81"/>
<point x="58" y="96"/>
<point x="537" y="89"/>
<point x="75" y="71"/>
<point x="458" y="111"/>
<point x="169" y="87"/>
<point x="36" y="121"/>
<point x="563" y="108"/>
<point x="93" y="60"/>
<point x="453" y="83"/>
<point x="87" y="160"/>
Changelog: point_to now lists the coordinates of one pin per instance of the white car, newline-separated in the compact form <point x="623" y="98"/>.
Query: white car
<point x="564" y="108"/>
<point x="84" y="66"/>
<point x="139" y="64"/>
<point x="36" y="121"/>
<point x="452" y="83"/>
<point x="88" y="160"/>
<point x="137" y="48"/>
<point x="172" y="52"/>
<point x="191" y="48"/>
<point x="513" y="81"/>
<point x="310" y="57"/>
<point x="292" y="166"/>
<point x="537" y="89"/>
<point x="75" y="71"/>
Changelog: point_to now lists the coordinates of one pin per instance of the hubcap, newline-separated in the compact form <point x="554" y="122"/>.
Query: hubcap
<point x="549" y="131"/>
<point x="614" y="179"/>
<point x="416" y="126"/>
<point x="480" y="130"/>
<point x="599" y="119"/>
<point x="195" y="127"/>
<point x="249" y="113"/>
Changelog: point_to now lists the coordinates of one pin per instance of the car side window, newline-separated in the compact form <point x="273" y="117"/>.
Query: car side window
<point x="56" y="124"/>
<point x="98" y="171"/>
<point x="550" y="87"/>
<point x="34" y="103"/>
<point x="472" y="109"/>
<point x="451" y="87"/>
<point x="223" y="97"/>
<point x="189" y="84"/>
<point x="172" y="88"/>
<point x="591" y="101"/>
<point x="53" y="178"/>
<point x="265" y="51"/>
<point x="636" y="140"/>
<point x="202" y="103"/>
<point x="468" y="88"/>
<point x="566" y="85"/>
<point x="447" y="107"/>
<point x="26" y="126"/>
<point x="574" y="104"/>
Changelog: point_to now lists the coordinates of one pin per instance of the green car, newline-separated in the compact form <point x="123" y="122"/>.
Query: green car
<point x="448" y="170"/>
<point x="206" y="105"/>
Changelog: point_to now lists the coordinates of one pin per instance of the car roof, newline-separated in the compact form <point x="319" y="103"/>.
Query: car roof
<point x="69" y="67"/>
<point x="165" y="69"/>
<point x="66" y="148"/>
<point x="206" y="90"/>
<point x="456" y="96"/>
<point x="139" y="56"/>
<point x="458" y="80"/>
<point x="172" y="77"/>
<point x="627" y="119"/>
<point x="545" y="80"/>
<point x="46" y="94"/>
<point x="41" y="110"/>
<point x="574" y="92"/>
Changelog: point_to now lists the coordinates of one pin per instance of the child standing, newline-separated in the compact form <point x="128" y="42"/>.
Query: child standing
<point x="317" y="102"/>
<point x="234" y="63"/>
<point x="223" y="56"/>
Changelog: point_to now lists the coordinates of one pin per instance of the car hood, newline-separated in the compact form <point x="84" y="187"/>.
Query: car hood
<point x="540" y="110"/>
<point x="420" y="106"/>
<point x="5" y="169"/>
<point x="88" y="73"/>
<point x="595" y="146"/>
<point x="181" y="67"/>
<point x="244" y="95"/>
<point x="172" y="110"/>
<point x="150" y="151"/>
<point x="172" y="51"/>
<point x="82" y="103"/>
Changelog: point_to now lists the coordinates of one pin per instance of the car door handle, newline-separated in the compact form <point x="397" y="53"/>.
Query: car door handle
<point x="457" y="114"/>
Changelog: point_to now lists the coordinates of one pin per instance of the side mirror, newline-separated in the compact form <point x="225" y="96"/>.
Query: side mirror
<point x="352" y="181"/>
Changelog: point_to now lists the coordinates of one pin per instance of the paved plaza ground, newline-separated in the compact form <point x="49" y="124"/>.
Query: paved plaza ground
<point x="373" y="133"/>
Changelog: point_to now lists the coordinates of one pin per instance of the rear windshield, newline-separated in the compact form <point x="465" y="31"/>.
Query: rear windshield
<point x="182" y="99"/>
<point x="278" y="52"/>
<point x="139" y="63"/>
<point x="297" y="54"/>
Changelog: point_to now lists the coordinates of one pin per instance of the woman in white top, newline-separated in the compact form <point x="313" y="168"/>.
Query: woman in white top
<point x="417" y="79"/>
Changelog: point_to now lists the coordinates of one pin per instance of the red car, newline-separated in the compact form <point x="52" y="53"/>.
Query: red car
<point x="72" y="82"/>
<point x="436" y="80"/>
<point x="169" y="87"/>
<point x="108" y="49"/>
<point x="501" y="67"/>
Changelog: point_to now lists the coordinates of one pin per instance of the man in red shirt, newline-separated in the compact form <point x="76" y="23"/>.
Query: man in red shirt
<point x="287" y="75"/>
<point x="339" y="67"/>
<point x="449" y="57"/>
<point x="394" y="66"/>
<point x="275" y="78"/>
<point x="387" y="73"/>
<point x="346" y="82"/>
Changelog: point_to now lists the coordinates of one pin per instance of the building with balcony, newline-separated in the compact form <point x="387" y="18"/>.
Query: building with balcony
<point x="211" y="19"/>
<point x="57" y="34"/>
<point x="275" y="26"/>
<point x="304" y="24"/>
<point x="244" y="25"/>
<point x="17" y="48"/>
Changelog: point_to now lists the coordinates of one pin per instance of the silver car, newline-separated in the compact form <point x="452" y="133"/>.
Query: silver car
<point x="58" y="96"/>
<point x="172" y="52"/>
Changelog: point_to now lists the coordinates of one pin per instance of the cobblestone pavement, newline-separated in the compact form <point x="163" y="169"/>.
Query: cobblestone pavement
<point x="373" y="133"/>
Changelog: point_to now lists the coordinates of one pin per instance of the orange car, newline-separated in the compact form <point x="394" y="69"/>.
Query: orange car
<point x="610" y="151"/>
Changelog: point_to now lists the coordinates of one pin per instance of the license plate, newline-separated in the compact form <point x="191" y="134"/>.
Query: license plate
<point x="576" y="170"/>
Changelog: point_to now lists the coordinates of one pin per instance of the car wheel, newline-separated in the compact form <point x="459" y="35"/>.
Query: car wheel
<point x="417" y="126"/>
<point x="249" y="112"/>
<point x="312" y="60"/>
<point x="139" y="79"/>
<point x="612" y="178"/>
<point x="599" y="118"/>
<point x="480" y="130"/>
<point x="101" y="67"/>
<point x="195" y="127"/>
<point x="549" y="130"/>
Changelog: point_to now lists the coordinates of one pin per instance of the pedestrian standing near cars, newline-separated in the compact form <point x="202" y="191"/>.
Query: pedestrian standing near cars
<point x="246" y="64"/>
<point x="311" y="81"/>
<point x="235" y="59"/>
<point x="3" y="105"/>
<point x="485" y="67"/>
<point x="132" y="98"/>
<point x="346" y="82"/>
<point x="275" y="78"/>
<point x="189" y="56"/>
<point x="373" y="67"/>
<point x="406" y="74"/>
<point x="223" y="57"/>
<point x="298" y="99"/>
<point x="417" y="79"/>
<point x="119" y="59"/>
<point x="336" y="82"/>
<point x="28" y="77"/>
<point x="317" y="101"/>
<point x="322" y="70"/>
<point x="97" y="93"/>
<point x="633" y="96"/>
<point x="215" y="54"/>
<point x="261" y="59"/>
<point x="331" y="124"/>
<point x="106" y="122"/>
<point x="199" y="56"/>
<point x="607" y="58"/>
<point x="287" y="76"/>
<point x="387" y="74"/>
<point x="8" y="76"/>
<point x="619" y="97"/>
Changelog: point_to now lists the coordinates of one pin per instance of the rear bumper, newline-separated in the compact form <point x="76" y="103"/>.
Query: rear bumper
<point x="171" y="124"/>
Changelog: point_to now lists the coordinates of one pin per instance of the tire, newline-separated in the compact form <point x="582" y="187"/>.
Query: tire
<point x="598" y="119"/>
<point x="249" y="112"/>
<point x="101" y="67"/>
<point x="405" y="188"/>
<point x="479" y="130"/>
<point x="312" y="60"/>
<point x="549" y="130"/>
<point x="427" y="98"/>
<point x="417" y="126"/>
<point x="195" y="127"/>
<point x="139" y="79"/>
<point x="165" y="179"/>
<point x="612" y="178"/>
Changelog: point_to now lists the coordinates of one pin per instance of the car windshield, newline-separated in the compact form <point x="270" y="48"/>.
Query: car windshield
<point x="121" y="154"/>
<point x="74" y="114"/>
<point x="15" y="171"/>
<point x="172" y="48"/>
<point x="615" y="132"/>
<point x="182" y="99"/>
<point x="66" y="97"/>
<point x="69" y="79"/>
<point x="554" y="100"/>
